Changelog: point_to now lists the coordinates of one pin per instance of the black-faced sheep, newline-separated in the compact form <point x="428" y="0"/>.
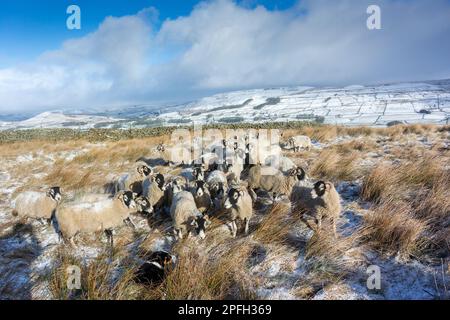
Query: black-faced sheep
<point x="153" y="189"/>
<point x="322" y="202"/>
<point x="201" y="196"/>
<point x="297" y="142"/>
<point x="186" y="216"/>
<point x="143" y="205"/>
<point x="89" y="217"/>
<point x="132" y="181"/>
<point x="240" y="206"/>
<point x="37" y="205"/>
<point x="283" y="163"/>
<point x="273" y="181"/>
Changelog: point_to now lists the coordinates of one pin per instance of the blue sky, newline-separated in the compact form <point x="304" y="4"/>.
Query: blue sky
<point x="154" y="51"/>
<point x="29" y="27"/>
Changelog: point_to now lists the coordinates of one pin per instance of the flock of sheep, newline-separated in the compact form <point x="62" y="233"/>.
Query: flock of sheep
<point x="216" y="182"/>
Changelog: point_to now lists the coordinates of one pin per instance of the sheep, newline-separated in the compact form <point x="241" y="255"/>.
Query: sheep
<point x="143" y="205"/>
<point x="185" y="215"/>
<point x="201" y="196"/>
<point x="153" y="189"/>
<point x="174" y="184"/>
<point x="272" y="180"/>
<point x="89" y="217"/>
<point x="298" y="142"/>
<point x="37" y="205"/>
<point x="240" y="206"/>
<point x="211" y="161"/>
<point x="198" y="173"/>
<point x="237" y="165"/>
<point x="215" y="177"/>
<point x="284" y="163"/>
<point x="132" y="181"/>
<point x="318" y="203"/>
<point x="217" y="184"/>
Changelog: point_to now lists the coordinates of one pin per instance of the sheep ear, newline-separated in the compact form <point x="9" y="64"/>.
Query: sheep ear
<point x="135" y="195"/>
<point x="241" y="193"/>
<point x="119" y="195"/>
<point x="328" y="186"/>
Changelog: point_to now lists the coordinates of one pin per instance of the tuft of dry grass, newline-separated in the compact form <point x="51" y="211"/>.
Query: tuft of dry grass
<point x="331" y="165"/>
<point x="379" y="184"/>
<point x="100" y="280"/>
<point x="412" y="205"/>
<point x="361" y="145"/>
<point x="275" y="226"/>
<point x="392" y="228"/>
<point x="218" y="273"/>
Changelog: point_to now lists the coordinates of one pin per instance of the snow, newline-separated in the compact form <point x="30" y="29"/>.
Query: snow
<point x="351" y="105"/>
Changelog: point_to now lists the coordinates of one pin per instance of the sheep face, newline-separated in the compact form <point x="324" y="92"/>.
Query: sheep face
<point x="320" y="188"/>
<point x="298" y="172"/>
<point x="144" y="170"/>
<point x="200" y="223"/>
<point x="143" y="205"/>
<point x="198" y="174"/>
<point x="200" y="188"/>
<point x="176" y="186"/>
<point x="159" y="179"/>
<point x="216" y="190"/>
<point x="161" y="147"/>
<point x="54" y="193"/>
<point x="233" y="198"/>
<point x="126" y="197"/>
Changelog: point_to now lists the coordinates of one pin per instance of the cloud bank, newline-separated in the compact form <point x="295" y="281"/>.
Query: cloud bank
<point x="222" y="46"/>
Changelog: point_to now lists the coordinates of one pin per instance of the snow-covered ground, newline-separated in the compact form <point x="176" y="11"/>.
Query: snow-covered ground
<point x="426" y="102"/>
<point x="27" y="251"/>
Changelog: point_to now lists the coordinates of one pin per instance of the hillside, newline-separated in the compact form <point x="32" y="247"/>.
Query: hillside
<point x="422" y="103"/>
<point x="393" y="183"/>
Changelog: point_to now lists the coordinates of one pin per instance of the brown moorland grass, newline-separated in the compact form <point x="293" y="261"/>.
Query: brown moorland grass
<point x="325" y="254"/>
<point x="331" y="165"/>
<point x="412" y="205"/>
<point x="98" y="279"/>
<point x="275" y="226"/>
<point x="391" y="227"/>
<point x="218" y="273"/>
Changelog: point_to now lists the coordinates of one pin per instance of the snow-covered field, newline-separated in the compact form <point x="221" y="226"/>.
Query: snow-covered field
<point x="427" y="102"/>
<point x="29" y="250"/>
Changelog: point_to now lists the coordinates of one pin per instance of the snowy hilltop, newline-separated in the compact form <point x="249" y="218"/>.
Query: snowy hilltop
<point x="378" y="105"/>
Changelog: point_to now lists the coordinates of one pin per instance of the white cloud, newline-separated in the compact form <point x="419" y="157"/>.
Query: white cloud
<point x="223" y="46"/>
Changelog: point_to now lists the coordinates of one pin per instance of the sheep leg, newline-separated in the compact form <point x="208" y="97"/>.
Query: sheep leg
<point x="333" y="223"/>
<point x="109" y="235"/>
<point x="310" y="224"/>
<point x="130" y="221"/>
<point x="72" y="243"/>
<point x="252" y="194"/>
<point x="246" y="225"/>
<point x="234" y="228"/>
